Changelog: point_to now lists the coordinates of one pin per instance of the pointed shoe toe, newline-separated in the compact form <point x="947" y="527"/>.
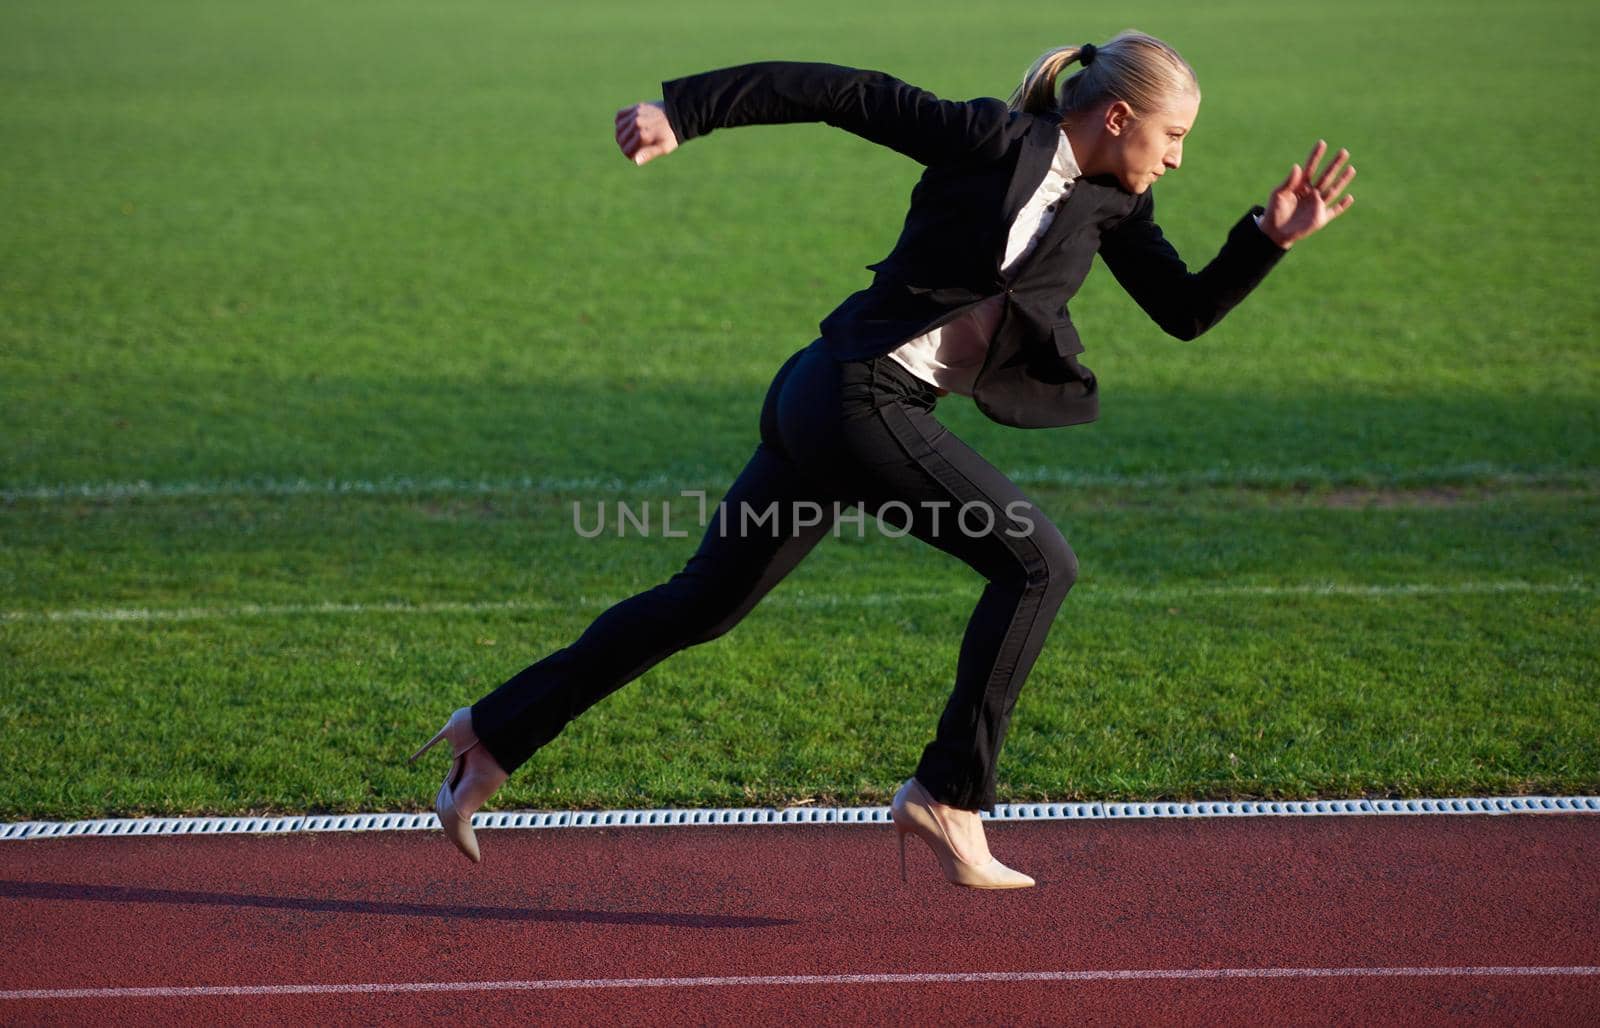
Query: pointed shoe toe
<point x="996" y="875"/>
<point x="457" y="829"/>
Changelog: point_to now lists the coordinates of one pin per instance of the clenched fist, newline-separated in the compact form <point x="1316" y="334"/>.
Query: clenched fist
<point x="644" y="133"/>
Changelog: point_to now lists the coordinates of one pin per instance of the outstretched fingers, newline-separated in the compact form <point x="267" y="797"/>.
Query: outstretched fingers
<point x="1315" y="157"/>
<point x="1330" y="173"/>
<point x="1332" y="191"/>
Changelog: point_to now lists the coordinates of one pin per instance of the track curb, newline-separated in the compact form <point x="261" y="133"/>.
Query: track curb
<point x="667" y="817"/>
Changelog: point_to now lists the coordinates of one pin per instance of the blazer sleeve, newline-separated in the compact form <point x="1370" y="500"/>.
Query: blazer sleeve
<point x="871" y="104"/>
<point x="1182" y="302"/>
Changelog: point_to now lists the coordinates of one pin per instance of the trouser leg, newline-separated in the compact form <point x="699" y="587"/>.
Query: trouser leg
<point x="897" y="461"/>
<point x="739" y="560"/>
<point x="1029" y="567"/>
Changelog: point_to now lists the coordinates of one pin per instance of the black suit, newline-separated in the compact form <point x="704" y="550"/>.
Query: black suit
<point x="983" y="162"/>
<point x="847" y="430"/>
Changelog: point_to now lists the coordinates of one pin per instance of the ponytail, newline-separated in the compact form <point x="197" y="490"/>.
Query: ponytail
<point x="1037" y="92"/>
<point x="1136" y="68"/>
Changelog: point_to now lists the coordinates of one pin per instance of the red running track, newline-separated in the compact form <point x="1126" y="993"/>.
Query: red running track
<point x="1215" y="920"/>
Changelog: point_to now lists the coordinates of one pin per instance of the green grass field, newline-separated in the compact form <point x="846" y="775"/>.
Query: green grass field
<point x="316" y="319"/>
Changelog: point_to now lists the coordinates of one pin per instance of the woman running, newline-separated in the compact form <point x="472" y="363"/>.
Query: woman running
<point x="1016" y="199"/>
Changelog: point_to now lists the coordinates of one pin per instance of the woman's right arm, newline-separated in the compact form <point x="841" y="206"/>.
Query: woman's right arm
<point x="1186" y="303"/>
<point x="870" y="104"/>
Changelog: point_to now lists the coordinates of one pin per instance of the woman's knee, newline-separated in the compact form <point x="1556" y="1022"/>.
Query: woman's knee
<point x="718" y="624"/>
<point x="1046" y="562"/>
<point x="703" y="606"/>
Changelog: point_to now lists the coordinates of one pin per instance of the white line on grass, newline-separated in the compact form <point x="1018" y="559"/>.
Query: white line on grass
<point x="402" y="485"/>
<point x="1085" y="592"/>
<point x="969" y="977"/>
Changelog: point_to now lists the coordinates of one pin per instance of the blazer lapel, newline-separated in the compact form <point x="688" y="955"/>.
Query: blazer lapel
<point x="1038" y="149"/>
<point x="1087" y="200"/>
<point x="1086" y="204"/>
<point x="1081" y="205"/>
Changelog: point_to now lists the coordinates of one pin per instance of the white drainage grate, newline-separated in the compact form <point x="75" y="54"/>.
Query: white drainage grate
<point x="790" y="815"/>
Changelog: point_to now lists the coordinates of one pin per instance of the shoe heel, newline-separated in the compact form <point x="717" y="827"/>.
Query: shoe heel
<point x="430" y="744"/>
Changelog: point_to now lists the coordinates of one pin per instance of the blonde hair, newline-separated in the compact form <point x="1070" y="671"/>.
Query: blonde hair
<point x="1134" y="67"/>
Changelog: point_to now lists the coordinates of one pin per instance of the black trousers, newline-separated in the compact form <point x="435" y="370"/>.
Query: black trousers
<point x="852" y="437"/>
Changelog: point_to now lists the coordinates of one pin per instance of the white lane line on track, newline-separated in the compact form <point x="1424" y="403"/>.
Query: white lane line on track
<point x="402" y="485"/>
<point x="198" y="991"/>
<point x="795" y="599"/>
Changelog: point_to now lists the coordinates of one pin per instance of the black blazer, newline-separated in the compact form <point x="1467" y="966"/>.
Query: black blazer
<point x="983" y="162"/>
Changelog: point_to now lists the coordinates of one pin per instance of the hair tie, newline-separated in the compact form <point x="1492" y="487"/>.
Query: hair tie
<point x="1086" y="54"/>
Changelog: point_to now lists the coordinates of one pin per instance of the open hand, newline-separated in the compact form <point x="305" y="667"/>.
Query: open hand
<point x="1307" y="199"/>
<point x="644" y="133"/>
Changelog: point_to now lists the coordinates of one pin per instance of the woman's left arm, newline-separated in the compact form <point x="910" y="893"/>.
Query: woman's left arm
<point x="1299" y="207"/>
<point x="1186" y="303"/>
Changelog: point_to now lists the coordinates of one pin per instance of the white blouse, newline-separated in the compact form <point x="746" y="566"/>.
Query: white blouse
<point x="950" y="356"/>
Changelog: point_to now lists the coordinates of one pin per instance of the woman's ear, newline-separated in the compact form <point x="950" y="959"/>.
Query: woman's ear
<point x="1118" y="117"/>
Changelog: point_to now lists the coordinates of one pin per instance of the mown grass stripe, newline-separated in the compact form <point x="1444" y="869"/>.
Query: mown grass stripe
<point x="803" y="600"/>
<point x="402" y="485"/>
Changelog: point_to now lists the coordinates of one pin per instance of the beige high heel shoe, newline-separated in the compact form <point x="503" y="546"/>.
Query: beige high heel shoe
<point x="465" y="789"/>
<point x="914" y="814"/>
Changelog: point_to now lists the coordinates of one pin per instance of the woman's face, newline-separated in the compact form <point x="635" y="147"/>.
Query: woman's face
<point x="1139" y="150"/>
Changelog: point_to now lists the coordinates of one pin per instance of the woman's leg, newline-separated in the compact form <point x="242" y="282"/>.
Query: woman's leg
<point x="739" y="560"/>
<point x="889" y="454"/>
